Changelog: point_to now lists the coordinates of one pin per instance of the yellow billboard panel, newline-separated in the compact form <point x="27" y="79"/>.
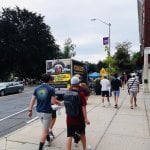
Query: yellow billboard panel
<point x="62" y="77"/>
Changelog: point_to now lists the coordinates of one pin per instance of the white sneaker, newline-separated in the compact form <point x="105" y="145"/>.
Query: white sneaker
<point x="103" y="105"/>
<point x="89" y="147"/>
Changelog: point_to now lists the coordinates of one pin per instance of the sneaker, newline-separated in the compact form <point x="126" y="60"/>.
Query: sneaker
<point x="89" y="147"/>
<point x="76" y="137"/>
<point x="131" y="107"/>
<point x="103" y="105"/>
<point x="48" y="140"/>
<point x="76" y="145"/>
<point x="51" y="134"/>
<point x="135" y="105"/>
<point x="115" y="106"/>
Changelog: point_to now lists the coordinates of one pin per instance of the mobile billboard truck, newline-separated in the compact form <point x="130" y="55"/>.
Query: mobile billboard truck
<point x="63" y="70"/>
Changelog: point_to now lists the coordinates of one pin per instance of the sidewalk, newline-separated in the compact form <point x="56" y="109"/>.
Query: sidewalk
<point x="110" y="128"/>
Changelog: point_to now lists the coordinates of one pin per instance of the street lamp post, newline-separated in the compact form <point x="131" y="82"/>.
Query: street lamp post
<point x="109" y="25"/>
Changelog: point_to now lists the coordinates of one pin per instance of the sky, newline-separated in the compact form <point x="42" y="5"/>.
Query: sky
<point x="72" y="19"/>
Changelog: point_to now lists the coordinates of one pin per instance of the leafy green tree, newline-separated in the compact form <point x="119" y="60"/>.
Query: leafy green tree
<point x="92" y="67"/>
<point x="25" y="43"/>
<point x="122" y="57"/>
<point x="110" y="67"/>
<point x="136" y="59"/>
<point x="100" y="65"/>
<point x="69" y="49"/>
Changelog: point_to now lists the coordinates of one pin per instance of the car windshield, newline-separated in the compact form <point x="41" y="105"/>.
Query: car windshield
<point x="3" y="84"/>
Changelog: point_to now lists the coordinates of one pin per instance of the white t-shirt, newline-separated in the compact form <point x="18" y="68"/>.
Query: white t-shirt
<point x="105" y="83"/>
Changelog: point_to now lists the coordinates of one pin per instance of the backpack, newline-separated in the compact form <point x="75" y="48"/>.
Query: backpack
<point x="72" y="103"/>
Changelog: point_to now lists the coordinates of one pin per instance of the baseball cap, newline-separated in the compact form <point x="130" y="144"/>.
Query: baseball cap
<point x="133" y="74"/>
<point x="75" y="80"/>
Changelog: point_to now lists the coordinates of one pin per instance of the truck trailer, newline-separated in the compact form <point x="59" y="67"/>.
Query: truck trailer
<point x="63" y="70"/>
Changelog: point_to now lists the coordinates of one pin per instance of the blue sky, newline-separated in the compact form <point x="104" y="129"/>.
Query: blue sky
<point x="72" y="18"/>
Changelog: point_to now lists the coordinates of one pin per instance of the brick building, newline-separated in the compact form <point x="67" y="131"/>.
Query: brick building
<point x="144" y="33"/>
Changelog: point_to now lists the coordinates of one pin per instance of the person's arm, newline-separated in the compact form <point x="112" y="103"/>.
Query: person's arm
<point x="55" y="101"/>
<point x="84" y="111"/>
<point x="120" y="84"/>
<point x="109" y="83"/>
<point x="85" y="115"/>
<point x="138" y="86"/>
<point x="128" y="84"/>
<point x="32" y="102"/>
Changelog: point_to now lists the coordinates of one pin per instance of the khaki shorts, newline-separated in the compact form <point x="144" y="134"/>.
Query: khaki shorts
<point x="45" y="119"/>
<point x="133" y="93"/>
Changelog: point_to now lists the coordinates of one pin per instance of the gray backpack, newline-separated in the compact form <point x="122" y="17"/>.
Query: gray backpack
<point x="72" y="103"/>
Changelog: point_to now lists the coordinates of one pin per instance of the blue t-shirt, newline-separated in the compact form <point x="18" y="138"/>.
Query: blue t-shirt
<point x="43" y="94"/>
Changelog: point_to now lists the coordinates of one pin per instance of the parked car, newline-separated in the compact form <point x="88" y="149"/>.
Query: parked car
<point x="10" y="87"/>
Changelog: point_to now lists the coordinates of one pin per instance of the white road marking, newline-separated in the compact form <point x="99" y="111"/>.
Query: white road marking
<point x="13" y="114"/>
<point x="32" y="120"/>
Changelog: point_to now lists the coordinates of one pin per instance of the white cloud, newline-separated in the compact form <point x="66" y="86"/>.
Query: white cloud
<point x="71" y="18"/>
<point x="92" y="58"/>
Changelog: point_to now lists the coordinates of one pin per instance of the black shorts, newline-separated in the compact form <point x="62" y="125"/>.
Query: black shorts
<point x="71" y="129"/>
<point x="53" y="114"/>
<point x="105" y="93"/>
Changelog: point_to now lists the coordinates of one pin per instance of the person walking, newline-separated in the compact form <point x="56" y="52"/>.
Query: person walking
<point x="83" y="86"/>
<point x="105" y="87"/>
<point x="54" y="116"/>
<point x="133" y="88"/>
<point x="44" y="95"/>
<point x="76" y="124"/>
<point x="122" y="78"/>
<point x="115" y="87"/>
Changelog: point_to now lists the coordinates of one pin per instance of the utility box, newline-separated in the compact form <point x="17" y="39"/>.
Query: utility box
<point x="146" y="81"/>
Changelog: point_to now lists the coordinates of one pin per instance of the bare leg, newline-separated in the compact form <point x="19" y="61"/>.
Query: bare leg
<point x="117" y="100"/>
<point x="103" y="102"/>
<point x="52" y="123"/>
<point x="131" y="101"/>
<point x="68" y="143"/>
<point x="135" y="99"/>
<point x="108" y="99"/>
<point x="83" y="141"/>
<point x="44" y="135"/>
<point x="102" y="99"/>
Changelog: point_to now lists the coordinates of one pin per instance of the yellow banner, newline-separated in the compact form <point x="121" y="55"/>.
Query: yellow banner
<point x="62" y="77"/>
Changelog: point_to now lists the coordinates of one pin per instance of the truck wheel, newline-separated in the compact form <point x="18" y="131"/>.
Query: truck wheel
<point x="2" y="93"/>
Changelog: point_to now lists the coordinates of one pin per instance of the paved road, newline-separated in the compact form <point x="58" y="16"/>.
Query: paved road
<point x="110" y="128"/>
<point x="13" y="111"/>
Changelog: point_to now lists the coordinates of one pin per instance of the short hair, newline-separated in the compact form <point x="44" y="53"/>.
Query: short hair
<point x="115" y="75"/>
<point x="105" y="76"/>
<point x="46" y="77"/>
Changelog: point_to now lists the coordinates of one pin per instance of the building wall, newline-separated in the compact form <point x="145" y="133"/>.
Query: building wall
<point x="147" y="23"/>
<point x="144" y="30"/>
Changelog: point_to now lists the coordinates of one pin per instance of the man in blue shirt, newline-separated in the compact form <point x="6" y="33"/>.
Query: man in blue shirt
<point x="45" y="96"/>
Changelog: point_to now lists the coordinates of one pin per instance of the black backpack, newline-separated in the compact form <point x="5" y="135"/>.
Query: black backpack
<point x="72" y="103"/>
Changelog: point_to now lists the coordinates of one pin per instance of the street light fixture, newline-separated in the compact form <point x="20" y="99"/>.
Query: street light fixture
<point x="109" y="25"/>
